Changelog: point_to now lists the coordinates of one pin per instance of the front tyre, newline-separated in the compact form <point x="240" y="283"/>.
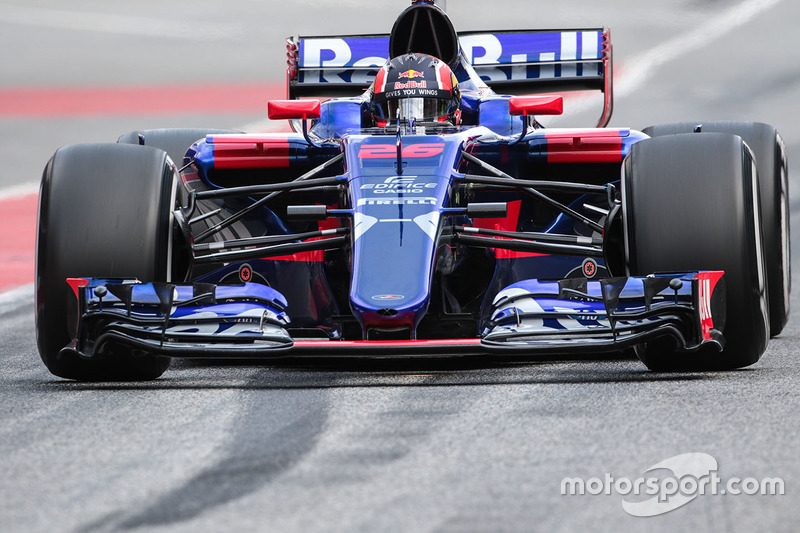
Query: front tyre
<point x="773" y="183"/>
<point x="105" y="210"/>
<point x="691" y="203"/>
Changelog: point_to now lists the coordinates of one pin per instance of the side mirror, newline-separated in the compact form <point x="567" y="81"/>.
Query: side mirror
<point x="293" y="109"/>
<point x="536" y="105"/>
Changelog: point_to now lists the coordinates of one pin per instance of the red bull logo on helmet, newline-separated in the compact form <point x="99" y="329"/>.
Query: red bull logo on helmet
<point x="411" y="74"/>
<point x="411" y="85"/>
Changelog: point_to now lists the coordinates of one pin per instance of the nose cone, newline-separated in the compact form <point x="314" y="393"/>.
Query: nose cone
<point x="392" y="267"/>
<point x="396" y="224"/>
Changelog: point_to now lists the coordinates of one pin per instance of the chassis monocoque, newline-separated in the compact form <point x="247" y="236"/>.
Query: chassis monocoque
<point x="498" y="236"/>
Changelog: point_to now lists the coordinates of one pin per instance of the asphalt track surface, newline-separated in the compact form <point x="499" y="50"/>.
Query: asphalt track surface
<point x="439" y="446"/>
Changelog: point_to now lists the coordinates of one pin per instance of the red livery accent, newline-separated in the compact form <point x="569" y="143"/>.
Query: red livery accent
<point x="584" y="146"/>
<point x="292" y="59"/>
<point x="410" y="151"/>
<point x="444" y="78"/>
<point x="608" y="83"/>
<point x="77" y="283"/>
<point x="293" y="109"/>
<point x="589" y="268"/>
<point x="706" y="283"/>
<point x="587" y="133"/>
<point x="380" y="81"/>
<point x="414" y="151"/>
<point x="245" y="273"/>
<point x="507" y="223"/>
<point x="312" y="256"/>
<point x="292" y="67"/>
<point x="536" y="105"/>
<point x="250" y="151"/>
<point x="377" y="151"/>
<point x="417" y="344"/>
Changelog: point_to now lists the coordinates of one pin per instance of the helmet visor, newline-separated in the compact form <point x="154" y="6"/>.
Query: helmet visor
<point x="418" y="109"/>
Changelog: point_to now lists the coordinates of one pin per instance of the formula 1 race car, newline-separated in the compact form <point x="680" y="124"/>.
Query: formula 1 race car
<point x="414" y="211"/>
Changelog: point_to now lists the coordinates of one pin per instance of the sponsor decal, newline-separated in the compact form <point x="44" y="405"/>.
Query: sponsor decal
<point x="411" y="74"/>
<point x="399" y="184"/>
<point x="412" y="93"/>
<point x="397" y="201"/>
<point x="589" y="267"/>
<point x="388" y="297"/>
<point x="245" y="273"/>
<point x="331" y="59"/>
<point x="400" y="179"/>
<point x="410" y="151"/>
<point x="411" y="85"/>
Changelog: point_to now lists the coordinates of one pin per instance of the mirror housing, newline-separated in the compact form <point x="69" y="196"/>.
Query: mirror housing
<point x="293" y="109"/>
<point x="536" y="105"/>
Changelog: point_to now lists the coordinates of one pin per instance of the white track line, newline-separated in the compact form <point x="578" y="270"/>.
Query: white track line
<point x="639" y="69"/>
<point x="118" y="24"/>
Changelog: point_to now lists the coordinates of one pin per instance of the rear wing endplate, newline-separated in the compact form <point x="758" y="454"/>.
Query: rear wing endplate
<point x="509" y="62"/>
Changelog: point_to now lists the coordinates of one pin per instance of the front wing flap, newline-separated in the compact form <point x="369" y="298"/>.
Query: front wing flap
<point x="198" y="320"/>
<point x="578" y="315"/>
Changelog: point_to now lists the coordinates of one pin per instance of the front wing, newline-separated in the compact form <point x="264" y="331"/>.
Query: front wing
<point x="530" y="317"/>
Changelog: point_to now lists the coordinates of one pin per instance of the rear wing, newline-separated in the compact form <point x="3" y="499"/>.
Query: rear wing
<point x="509" y="62"/>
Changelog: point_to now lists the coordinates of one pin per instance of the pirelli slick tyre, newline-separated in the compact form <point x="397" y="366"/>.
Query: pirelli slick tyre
<point x="174" y="141"/>
<point x="691" y="203"/>
<point x="773" y="184"/>
<point x="105" y="210"/>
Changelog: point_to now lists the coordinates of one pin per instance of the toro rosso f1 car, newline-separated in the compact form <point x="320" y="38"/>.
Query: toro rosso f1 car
<point x="418" y="208"/>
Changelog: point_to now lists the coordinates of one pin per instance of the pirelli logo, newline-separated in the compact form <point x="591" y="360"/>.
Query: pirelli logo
<point x="397" y="201"/>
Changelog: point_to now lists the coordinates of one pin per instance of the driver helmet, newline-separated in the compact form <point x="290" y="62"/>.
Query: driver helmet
<point x="416" y="88"/>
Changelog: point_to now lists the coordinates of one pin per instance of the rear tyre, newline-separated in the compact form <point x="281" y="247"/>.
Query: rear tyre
<point x="174" y="141"/>
<point x="773" y="184"/>
<point x="105" y="210"/>
<point x="691" y="203"/>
